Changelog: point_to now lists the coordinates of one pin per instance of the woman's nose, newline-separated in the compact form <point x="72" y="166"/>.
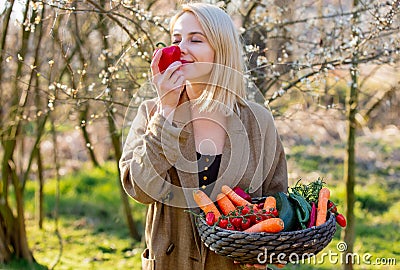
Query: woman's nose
<point x="183" y="47"/>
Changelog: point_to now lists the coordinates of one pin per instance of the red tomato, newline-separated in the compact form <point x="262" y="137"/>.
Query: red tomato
<point x="253" y="218"/>
<point x="230" y="227"/>
<point x="246" y="209"/>
<point x="332" y="207"/>
<point x="223" y="223"/>
<point x="245" y="223"/>
<point x="237" y="222"/>
<point x="341" y="220"/>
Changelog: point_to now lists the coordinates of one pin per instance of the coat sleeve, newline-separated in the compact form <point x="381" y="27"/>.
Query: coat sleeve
<point x="276" y="174"/>
<point x="150" y="150"/>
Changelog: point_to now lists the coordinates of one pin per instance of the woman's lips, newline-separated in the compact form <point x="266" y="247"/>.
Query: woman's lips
<point x="185" y="61"/>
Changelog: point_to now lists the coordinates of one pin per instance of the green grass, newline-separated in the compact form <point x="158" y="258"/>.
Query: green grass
<point x="84" y="247"/>
<point x="91" y="224"/>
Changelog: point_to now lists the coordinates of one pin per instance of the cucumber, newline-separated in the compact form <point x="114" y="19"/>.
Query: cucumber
<point x="303" y="209"/>
<point x="286" y="211"/>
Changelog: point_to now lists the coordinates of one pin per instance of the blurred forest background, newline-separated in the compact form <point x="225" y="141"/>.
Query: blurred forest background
<point x="70" y="79"/>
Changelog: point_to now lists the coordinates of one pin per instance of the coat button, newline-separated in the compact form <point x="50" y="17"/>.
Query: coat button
<point x="170" y="248"/>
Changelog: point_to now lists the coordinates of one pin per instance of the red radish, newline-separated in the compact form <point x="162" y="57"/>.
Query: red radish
<point x="210" y="218"/>
<point x="313" y="215"/>
<point x="242" y="193"/>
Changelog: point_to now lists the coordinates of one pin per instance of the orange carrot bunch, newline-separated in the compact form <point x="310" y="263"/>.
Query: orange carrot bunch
<point x="234" y="212"/>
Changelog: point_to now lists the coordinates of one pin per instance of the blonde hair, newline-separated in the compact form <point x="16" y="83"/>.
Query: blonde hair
<point x="226" y="86"/>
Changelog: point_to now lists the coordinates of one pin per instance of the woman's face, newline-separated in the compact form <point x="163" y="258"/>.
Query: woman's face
<point x="197" y="55"/>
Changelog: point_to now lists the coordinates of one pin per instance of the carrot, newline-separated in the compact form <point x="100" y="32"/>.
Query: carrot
<point x="322" y="209"/>
<point x="205" y="203"/>
<point x="225" y="204"/>
<point x="270" y="202"/>
<point x="233" y="196"/>
<point x="271" y="225"/>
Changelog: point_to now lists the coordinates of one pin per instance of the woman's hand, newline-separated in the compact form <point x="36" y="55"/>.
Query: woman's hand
<point x="169" y="84"/>
<point x="253" y="266"/>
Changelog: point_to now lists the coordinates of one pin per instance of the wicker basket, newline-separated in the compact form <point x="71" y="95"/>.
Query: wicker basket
<point x="283" y="247"/>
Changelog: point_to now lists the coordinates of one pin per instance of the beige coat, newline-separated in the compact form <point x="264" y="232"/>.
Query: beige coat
<point x="159" y="168"/>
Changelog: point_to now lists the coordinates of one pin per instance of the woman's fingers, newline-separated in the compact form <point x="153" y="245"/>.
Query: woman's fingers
<point x="154" y="62"/>
<point x="252" y="266"/>
<point x="170" y="83"/>
<point x="171" y="69"/>
<point x="257" y="266"/>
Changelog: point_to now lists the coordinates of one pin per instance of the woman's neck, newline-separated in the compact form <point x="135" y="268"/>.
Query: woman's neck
<point x="209" y="130"/>
<point x="194" y="91"/>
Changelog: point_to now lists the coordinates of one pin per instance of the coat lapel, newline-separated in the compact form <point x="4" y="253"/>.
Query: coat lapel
<point x="235" y="156"/>
<point x="186" y="165"/>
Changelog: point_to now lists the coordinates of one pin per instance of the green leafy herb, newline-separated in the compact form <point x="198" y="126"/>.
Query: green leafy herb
<point x="309" y="191"/>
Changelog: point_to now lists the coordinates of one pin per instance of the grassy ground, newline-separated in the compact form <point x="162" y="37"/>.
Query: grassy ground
<point x="93" y="234"/>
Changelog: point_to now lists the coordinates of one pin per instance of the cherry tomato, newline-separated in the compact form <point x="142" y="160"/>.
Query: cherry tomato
<point x="332" y="207"/>
<point x="223" y="223"/>
<point x="245" y="223"/>
<point x="253" y="218"/>
<point x="230" y="227"/>
<point x="255" y="208"/>
<point x="236" y="221"/>
<point x="259" y="218"/>
<point x="246" y="209"/>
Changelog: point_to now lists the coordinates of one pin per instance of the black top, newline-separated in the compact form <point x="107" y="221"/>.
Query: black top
<point x="208" y="166"/>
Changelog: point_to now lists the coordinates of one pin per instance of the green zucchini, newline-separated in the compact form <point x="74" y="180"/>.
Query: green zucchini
<point x="286" y="211"/>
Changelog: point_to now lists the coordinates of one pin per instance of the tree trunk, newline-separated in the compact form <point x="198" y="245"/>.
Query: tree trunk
<point x="39" y="192"/>
<point x="116" y="142"/>
<point x="7" y="220"/>
<point x="86" y="137"/>
<point x="13" y="232"/>
<point x="350" y="159"/>
<point x="21" y="243"/>
<point x="4" y="32"/>
<point x="39" y="195"/>
<point x="83" y="115"/>
<point x="116" y="138"/>
<point x="349" y="168"/>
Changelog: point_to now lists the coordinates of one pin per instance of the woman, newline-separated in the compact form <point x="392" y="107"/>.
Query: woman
<point x="200" y="132"/>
